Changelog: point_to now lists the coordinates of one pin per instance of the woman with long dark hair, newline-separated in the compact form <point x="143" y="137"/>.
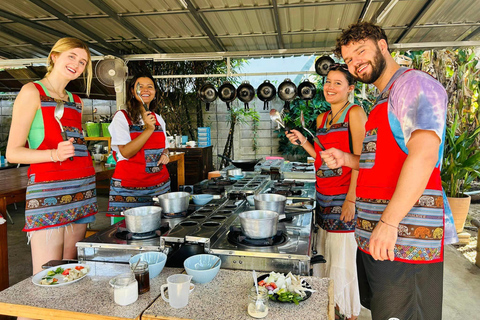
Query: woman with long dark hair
<point x="140" y="145"/>
<point x="342" y="127"/>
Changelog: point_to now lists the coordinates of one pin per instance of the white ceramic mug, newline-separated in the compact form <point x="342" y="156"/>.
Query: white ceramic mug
<point x="178" y="290"/>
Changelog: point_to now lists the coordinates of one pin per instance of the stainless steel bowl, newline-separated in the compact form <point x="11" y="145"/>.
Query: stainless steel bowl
<point x="259" y="224"/>
<point x="174" y="202"/>
<point x="270" y="201"/>
<point x="143" y="219"/>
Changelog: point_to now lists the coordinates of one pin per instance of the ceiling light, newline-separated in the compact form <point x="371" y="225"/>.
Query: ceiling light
<point x="387" y="9"/>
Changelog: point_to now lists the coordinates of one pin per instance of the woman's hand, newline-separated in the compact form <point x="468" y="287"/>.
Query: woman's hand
<point x="65" y="150"/>
<point x="164" y="159"/>
<point x="295" y="135"/>
<point x="333" y="158"/>
<point x="149" y="120"/>
<point x="348" y="211"/>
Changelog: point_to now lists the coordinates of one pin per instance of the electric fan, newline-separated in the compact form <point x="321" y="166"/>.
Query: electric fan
<point x="112" y="72"/>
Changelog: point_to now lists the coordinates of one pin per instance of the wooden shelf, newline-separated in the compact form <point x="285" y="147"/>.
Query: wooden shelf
<point x="108" y="139"/>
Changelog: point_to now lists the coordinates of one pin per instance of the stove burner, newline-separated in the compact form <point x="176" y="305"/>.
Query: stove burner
<point x="188" y="223"/>
<point x="124" y="234"/>
<point x="286" y="192"/>
<point x="206" y="211"/>
<point x="237" y="237"/>
<point x="221" y="218"/>
<point x="218" y="191"/>
<point x="211" y="224"/>
<point x="220" y="182"/>
<point x="230" y="206"/>
<point x="197" y="217"/>
<point x="289" y="184"/>
<point x="225" y="211"/>
<point x="174" y="215"/>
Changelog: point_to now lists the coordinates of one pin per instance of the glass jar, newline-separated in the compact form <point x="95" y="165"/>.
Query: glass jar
<point x="258" y="303"/>
<point x="143" y="276"/>
<point x="125" y="289"/>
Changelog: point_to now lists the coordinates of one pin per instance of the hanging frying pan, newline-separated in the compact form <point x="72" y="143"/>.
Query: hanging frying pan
<point x="227" y="93"/>
<point x="246" y="93"/>
<point x="207" y="94"/>
<point x="287" y="91"/>
<point x="306" y="90"/>
<point x="322" y="65"/>
<point x="266" y="92"/>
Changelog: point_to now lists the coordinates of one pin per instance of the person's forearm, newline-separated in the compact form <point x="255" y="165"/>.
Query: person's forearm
<point x="413" y="179"/>
<point x="28" y="156"/>
<point x="131" y="148"/>
<point x="351" y="194"/>
<point x="310" y="149"/>
<point x="352" y="161"/>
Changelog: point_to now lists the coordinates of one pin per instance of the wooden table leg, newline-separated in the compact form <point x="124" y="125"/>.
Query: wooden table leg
<point x="3" y="247"/>
<point x="181" y="171"/>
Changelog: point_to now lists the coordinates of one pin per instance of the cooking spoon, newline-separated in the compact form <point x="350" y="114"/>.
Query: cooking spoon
<point x="302" y="120"/>
<point x="216" y="263"/>
<point x="58" y="113"/>
<point x="258" y="303"/>
<point x="138" y="90"/>
<point x="275" y="117"/>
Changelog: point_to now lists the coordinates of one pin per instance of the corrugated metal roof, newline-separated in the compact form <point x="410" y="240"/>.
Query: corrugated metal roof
<point x="209" y="26"/>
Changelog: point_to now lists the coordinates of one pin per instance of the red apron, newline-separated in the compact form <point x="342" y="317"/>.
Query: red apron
<point x="332" y="184"/>
<point x="420" y="233"/>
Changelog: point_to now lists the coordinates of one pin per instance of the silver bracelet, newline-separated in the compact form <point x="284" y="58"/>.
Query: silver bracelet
<point x="303" y="142"/>
<point x="51" y="155"/>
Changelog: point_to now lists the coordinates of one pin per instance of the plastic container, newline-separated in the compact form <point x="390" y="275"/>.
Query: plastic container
<point x="93" y="129"/>
<point x="105" y="131"/>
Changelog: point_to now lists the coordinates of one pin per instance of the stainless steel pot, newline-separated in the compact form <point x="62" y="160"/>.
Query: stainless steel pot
<point x="272" y="202"/>
<point x="234" y="172"/>
<point x="143" y="219"/>
<point x="259" y="224"/>
<point x="174" y="202"/>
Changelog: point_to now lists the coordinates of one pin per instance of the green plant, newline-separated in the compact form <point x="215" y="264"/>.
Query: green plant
<point x="461" y="161"/>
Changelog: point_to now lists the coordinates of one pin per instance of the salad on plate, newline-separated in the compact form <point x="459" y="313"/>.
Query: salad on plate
<point x="285" y="288"/>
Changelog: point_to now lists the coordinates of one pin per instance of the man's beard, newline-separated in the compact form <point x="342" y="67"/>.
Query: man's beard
<point x="378" y="66"/>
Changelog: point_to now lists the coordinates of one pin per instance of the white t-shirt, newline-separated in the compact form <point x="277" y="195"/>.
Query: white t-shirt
<point x="120" y="132"/>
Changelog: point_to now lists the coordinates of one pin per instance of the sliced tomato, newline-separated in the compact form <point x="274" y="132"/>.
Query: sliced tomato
<point x="79" y="267"/>
<point x="261" y="283"/>
<point x="273" y="285"/>
<point x="66" y="272"/>
<point x="54" y="280"/>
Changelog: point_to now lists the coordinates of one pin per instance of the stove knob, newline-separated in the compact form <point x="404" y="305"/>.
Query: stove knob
<point x="240" y="262"/>
<point x="234" y="261"/>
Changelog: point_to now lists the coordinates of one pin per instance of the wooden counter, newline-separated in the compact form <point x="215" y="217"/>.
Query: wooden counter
<point x="92" y="298"/>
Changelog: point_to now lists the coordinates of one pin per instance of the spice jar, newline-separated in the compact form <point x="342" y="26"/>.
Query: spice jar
<point x="125" y="289"/>
<point x="258" y="303"/>
<point x="143" y="276"/>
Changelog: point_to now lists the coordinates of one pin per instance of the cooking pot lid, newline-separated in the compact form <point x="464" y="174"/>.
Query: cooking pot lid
<point x="208" y="93"/>
<point x="227" y="92"/>
<point x="322" y="65"/>
<point x="245" y="92"/>
<point x="287" y="90"/>
<point x="266" y="91"/>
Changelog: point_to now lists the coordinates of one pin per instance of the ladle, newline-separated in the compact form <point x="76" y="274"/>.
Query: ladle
<point x="138" y="90"/>
<point x="58" y="113"/>
<point x="275" y="117"/>
<point x="302" y="120"/>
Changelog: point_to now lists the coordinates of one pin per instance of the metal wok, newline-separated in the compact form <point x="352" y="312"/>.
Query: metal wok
<point x="245" y="165"/>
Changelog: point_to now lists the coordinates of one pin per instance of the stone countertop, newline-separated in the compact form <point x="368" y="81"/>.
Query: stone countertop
<point x="89" y="298"/>
<point x="226" y="297"/>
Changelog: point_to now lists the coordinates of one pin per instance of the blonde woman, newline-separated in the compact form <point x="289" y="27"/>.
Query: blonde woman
<point x="61" y="197"/>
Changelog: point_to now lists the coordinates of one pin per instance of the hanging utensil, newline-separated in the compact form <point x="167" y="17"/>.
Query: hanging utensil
<point x="302" y="120"/>
<point x="322" y="65"/>
<point x="275" y="117"/>
<point x="287" y="91"/>
<point x="227" y="93"/>
<point x="58" y="113"/>
<point x="245" y="93"/>
<point x="138" y="90"/>
<point x="306" y="91"/>
<point x="207" y="94"/>
<point x="266" y="92"/>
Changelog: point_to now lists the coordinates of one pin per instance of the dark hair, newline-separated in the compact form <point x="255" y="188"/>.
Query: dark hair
<point x="343" y="68"/>
<point x="358" y="32"/>
<point x="133" y="105"/>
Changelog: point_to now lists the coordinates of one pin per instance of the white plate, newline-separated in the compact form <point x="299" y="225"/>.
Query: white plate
<point x="38" y="277"/>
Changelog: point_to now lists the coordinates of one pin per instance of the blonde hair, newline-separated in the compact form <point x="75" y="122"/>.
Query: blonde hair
<point x="65" y="44"/>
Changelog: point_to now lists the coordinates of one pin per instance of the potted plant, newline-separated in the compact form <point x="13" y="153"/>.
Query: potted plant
<point x="460" y="167"/>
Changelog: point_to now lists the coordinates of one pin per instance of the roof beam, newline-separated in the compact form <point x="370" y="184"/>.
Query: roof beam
<point x="474" y="33"/>
<point x="41" y="27"/>
<point x="364" y="10"/>
<point x="384" y="9"/>
<point x="8" y="55"/>
<point x="127" y="25"/>
<point x="415" y="20"/>
<point x="75" y="24"/>
<point x="42" y="48"/>
<point x="203" y="25"/>
<point x="276" y="18"/>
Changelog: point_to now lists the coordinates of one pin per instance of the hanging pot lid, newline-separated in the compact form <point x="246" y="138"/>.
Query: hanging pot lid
<point x="266" y="92"/>
<point x="287" y="90"/>
<point x="306" y="90"/>
<point x="227" y="93"/>
<point x="208" y="94"/>
<point x="322" y="65"/>
<point x="246" y="93"/>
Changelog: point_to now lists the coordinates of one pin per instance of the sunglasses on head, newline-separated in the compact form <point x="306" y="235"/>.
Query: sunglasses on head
<point x="337" y="66"/>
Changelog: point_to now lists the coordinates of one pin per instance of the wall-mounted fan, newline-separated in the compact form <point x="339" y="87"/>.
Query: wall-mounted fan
<point x="112" y="72"/>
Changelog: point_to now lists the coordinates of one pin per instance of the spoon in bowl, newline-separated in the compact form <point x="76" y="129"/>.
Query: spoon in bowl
<point x="302" y="120"/>
<point x="275" y="117"/>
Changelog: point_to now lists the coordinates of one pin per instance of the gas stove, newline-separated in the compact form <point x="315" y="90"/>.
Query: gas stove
<point x="250" y="183"/>
<point x="292" y="189"/>
<point x="298" y="170"/>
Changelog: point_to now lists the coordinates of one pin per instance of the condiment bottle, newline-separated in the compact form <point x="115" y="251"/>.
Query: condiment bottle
<point x="143" y="277"/>
<point x="258" y="303"/>
<point x="125" y="289"/>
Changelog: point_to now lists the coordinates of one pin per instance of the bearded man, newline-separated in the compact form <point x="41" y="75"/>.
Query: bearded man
<point x="400" y="272"/>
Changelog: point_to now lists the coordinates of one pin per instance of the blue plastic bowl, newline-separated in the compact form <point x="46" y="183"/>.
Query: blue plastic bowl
<point x="201" y="199"/>
<point x="156" y="262"/>
<point x="198" y="266"/>
<point x="251" y="200"/>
